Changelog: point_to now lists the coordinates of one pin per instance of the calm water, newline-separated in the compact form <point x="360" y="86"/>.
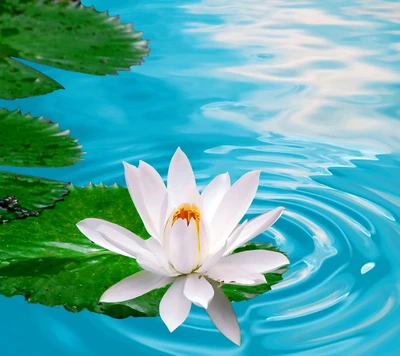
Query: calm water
<point x="306" y="91"/>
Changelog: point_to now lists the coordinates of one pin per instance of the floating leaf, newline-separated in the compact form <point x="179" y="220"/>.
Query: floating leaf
<point x="22" y="196"/>
<point x="64" y="35"/>
<point x="26" y="141"/>
<point x="49" y="261"/>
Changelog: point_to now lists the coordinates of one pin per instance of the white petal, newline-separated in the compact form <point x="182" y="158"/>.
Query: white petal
<point x="154" y="246"/>
<point x="126" y="241"/>
<point x="183" y="246"/>
<point x="133" y="243"/>
<point x="133" y="183"/>
<point x="174" y="306"/>
<point x="262" y="261"/>
<point x="204" y="241"/>
<point x="154" y="267"/>
<point x="254" y="227"/>
<point x="213" y="194"/>
<point x="148" y="253"/>
<point x="180" y="177"/>
<point x="223" y="316"/>
<point x="233" y="206"/>
<point x="212" y="259"/>
<point x="198" y="290"/>
<point x="164" y="215"/>
<point x="235" y="276"/>
<point x="232" y="238"/>
<point x="134" y="286"/>
<point x="153" y="192"/>
<point x="247" y="267"/>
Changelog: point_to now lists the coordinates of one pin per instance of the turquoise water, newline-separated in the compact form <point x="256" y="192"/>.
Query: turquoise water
<point x="308" y="92"/>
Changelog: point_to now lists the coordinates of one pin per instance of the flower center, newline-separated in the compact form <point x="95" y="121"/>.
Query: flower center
<point x="187" y="212"/>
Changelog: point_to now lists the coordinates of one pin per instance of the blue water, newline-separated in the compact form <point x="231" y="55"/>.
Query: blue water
<point x="306" y="91"/>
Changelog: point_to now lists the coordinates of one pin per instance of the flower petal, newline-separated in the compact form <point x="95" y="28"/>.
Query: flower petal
<point x="254" y="227"/>
<point x="153" y="191"/>
<point x="223" y="316"/>
<point x="174" y="306"/>
<point x="232" y="276"/>
<point x="247" y="267"/>
<point x="180" y="177"/>
<point x="233" y="206"/>
<point x="183" y="246"/>
<point x="131" y="245"/>
<point x="213" y="194"/>
<point x="212" y="259"/>
<point x="126" y="241"/>
<point x="133" y="183"/>
<point x="134" y="286"/>
<point x="154" y="246"/>
<point x="231" y="239"/>
<point x="155" y="268"/>
<point x="148" y="253"/>
<point x="198" y="290"/>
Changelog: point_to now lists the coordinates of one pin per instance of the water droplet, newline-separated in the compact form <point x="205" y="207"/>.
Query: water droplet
<point x="367" y="267"/>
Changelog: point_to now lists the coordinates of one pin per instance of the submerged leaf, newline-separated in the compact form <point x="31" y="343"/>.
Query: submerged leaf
<point x="64" y="35"/>
<point x="26" y="141"/>
<point x="49" y="261"/>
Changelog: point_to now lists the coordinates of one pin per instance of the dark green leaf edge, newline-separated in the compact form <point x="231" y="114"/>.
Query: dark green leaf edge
<point x="129" y="26"/>
<point x="56" y="131"/>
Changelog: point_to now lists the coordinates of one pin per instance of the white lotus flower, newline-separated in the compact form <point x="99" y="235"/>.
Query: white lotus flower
<point x="192" y="238"/>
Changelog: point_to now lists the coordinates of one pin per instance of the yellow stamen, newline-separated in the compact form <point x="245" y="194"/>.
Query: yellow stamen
<point x="186" y="212"/>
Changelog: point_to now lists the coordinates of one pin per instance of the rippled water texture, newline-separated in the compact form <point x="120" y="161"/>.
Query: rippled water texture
<point x="306" y="91"/>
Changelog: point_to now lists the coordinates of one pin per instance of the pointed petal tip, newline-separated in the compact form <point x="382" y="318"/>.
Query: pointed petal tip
<point x="227" y="177"/>
<point x="102" y="299"/>
<point x="178" y="151"/>
<point x="80" y="223"/>
<point x="253" y="174"/>
<point x="286" y="259"/>
<point x="171" y="329"/>
<point x="256" y="172"/>
<point x="105" y="299"/>
<point x="280" y="209"/>
<point x="282" y="260"/>
<point x="237" y="341"/>
<point x="127" y="165"/>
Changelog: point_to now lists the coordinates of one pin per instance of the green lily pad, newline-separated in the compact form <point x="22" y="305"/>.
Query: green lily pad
<point x="65" y="35"/>
<point x="49" y="261"/>
<point x="26" y="141"/>
<point x="22" y="196"/>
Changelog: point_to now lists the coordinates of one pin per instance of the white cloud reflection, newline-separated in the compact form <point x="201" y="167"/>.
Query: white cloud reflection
<point x="336" y="81"/>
